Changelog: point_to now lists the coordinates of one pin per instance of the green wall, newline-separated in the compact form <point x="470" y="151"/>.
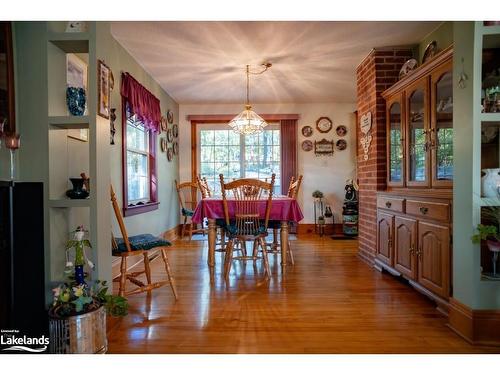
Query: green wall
<point x="443" y="35"/>
<point x="167" y="216"/>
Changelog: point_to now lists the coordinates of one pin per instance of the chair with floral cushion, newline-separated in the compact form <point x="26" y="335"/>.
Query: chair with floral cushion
<point x="187" y="193"/>
<point x="246" y="222"/>
<point x="145" y="245"/>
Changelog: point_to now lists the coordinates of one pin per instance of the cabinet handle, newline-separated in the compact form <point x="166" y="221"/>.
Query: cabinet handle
<point x="412" y="249"/>
<point x="388" y="204"/>
<point x="424" y="210"/>
<point x="419" y="253"/>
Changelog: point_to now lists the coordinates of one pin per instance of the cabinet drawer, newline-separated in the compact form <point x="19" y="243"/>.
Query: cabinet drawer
<point x="431" y="210"/>
<point x="390" y="203"/>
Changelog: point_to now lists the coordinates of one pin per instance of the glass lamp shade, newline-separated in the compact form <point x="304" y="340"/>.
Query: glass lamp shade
<point x="247" y="122"/>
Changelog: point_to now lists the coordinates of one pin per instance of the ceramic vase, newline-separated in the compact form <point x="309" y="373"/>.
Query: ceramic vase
<point x="75" y="100"/>
<point x="490" y="183"/>
<point x="77" y="192"/>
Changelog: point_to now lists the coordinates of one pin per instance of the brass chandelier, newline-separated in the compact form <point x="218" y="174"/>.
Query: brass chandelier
<point x="249" y="122"/>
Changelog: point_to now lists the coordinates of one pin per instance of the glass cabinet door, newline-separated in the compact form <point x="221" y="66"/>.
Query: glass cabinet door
<point x="417" y="137"/>
<point x="442" y="128"/>
<point x="395" y="145"/>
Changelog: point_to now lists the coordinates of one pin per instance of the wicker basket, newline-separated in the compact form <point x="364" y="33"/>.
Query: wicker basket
<point x="79" y="334"/>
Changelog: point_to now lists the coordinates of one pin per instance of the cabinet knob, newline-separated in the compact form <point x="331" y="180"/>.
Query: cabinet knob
<point x="424" y="210"/>
<point x="412" y="249"/>
<point x="388" y="204"/>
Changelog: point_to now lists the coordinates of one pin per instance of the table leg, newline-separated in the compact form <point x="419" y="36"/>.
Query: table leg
<point x="212" y="237"/>
<point x="284" y="245"/>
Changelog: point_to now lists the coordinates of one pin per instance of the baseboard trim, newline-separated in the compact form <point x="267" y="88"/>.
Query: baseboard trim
<point x="366" y="257"/>
<point x="309" y="229"/>
<point x="133" y="261"/>
<point x="478" y="327"/>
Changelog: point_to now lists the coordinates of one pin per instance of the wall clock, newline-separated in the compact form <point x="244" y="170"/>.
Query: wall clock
<point x="324" y="124"/>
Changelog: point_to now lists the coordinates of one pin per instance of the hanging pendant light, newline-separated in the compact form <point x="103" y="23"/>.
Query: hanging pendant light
<point x="249" y="122"/>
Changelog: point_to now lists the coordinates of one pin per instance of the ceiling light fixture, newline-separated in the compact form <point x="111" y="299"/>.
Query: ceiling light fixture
<point x="249" y="122"/>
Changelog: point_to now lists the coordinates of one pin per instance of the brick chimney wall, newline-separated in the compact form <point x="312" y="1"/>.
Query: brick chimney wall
<point x="376" y="73"/>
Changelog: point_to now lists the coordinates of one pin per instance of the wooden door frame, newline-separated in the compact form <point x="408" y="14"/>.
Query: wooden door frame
<point x="222" y="119"/>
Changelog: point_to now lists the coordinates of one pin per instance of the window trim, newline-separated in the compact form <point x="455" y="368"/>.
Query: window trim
<point x="224" y="119"/>
<point x="152" y="205"/>
<point x="215" y="126"/>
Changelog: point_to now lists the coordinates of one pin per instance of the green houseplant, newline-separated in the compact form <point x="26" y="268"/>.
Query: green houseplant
<point x="490" y="234"/>
<point x="78" y="312"/>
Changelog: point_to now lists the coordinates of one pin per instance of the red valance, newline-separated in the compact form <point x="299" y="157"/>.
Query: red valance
<point x="141" y="102"/>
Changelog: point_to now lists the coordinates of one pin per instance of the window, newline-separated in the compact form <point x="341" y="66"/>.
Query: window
<point x="139" y="168"/>
<point x="238" y="156"/>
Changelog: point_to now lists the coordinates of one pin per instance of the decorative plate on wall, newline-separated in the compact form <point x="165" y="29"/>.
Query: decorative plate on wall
<point x="170" y="154"/>
<point x="341" y="130"/>
<point x="341" y="144"/>
<point x="164" y="124"/>
<point x="163" y="144"/>
<point x="170" y="136"/>
<point x="175" y="148"/>
<point x="170" y="116"/>
<point x="175" y="130"/>
<point x="429" y="52"/>
<point x="324" y="124"/>
<point x="307" y="145"/>
<point x="307" y="131"/>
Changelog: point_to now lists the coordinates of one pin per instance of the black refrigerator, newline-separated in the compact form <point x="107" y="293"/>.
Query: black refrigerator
<point x="22" y="270"/>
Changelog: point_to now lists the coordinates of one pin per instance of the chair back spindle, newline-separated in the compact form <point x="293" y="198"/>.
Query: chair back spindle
<point x="247" y="194"/>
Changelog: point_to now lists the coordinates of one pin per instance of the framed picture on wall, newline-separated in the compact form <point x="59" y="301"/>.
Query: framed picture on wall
<point x="104" y="78"/>
<point x="76" y="71"/>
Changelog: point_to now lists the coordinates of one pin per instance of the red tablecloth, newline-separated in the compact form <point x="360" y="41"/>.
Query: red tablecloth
<point x="282" y="208"/>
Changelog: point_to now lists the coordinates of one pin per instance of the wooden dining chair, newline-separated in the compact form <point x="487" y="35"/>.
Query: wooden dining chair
<point x="246" y="224"/>
<point x="187" y="193"/>
<point x="203" y="187"/>
<point x="293" y="190"/>
<point x="143" y="244"/>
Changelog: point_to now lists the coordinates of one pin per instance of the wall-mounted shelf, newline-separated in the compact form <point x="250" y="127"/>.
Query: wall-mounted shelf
<point x="490" y="117"/>
<point x="69" y="122"/>
<point x="67" y="203"/>
<point x="489" y="202"/>
<point x="487" y="30"/>
<point x="71" y="42"/>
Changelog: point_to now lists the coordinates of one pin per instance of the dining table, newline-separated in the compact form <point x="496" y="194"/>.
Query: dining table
<point x="283" y="209"/>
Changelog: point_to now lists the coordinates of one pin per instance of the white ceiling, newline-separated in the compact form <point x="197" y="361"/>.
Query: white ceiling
<point x="204" y="62"/>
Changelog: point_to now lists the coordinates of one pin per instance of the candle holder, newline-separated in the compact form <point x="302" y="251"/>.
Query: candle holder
<point x="12" y="142"/>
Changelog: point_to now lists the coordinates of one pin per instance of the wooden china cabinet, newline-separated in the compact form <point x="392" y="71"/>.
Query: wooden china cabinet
<point x="414" y="212"/>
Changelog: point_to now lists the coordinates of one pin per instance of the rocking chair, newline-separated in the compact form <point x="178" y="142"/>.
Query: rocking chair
<point x="141" y="244"/>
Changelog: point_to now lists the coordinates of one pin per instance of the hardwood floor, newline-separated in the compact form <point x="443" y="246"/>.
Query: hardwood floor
<point x="330" y="302"/>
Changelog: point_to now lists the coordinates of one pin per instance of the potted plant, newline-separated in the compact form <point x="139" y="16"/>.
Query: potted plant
<point x="78" y="312"/>
<point x="490" y="234"/>
<point x="317" y="195"/>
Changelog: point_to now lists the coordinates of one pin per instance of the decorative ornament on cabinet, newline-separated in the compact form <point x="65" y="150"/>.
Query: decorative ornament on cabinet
<point x="112" y="129"/>
<point x="430" y="51"/>
<point x="365" y="125"/>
